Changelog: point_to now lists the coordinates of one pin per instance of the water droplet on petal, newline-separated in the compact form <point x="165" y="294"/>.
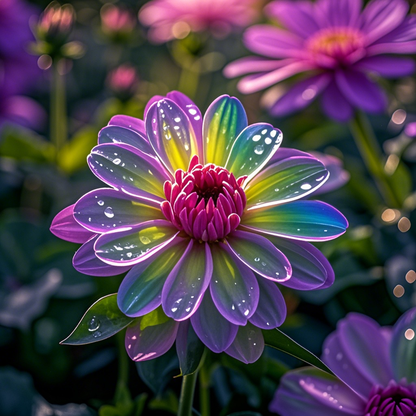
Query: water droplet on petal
<point x="100" y="203"/>
<point x="306" y="186"/>
<point x="117" y="161"/>
<point x="258" y="150"/>
<point x="144" y="239"/>
<point x="93" y="324"/>
<point x="108" y="212"/>
<point x="257" y="259"/>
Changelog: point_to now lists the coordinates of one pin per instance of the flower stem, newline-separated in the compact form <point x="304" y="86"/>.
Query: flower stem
<point x="58" y="120"/>
<point x="204" y="391"/>
<point x="187" y="395"/>
<point x="123" y="365"/>
<point x="373" y="157"/>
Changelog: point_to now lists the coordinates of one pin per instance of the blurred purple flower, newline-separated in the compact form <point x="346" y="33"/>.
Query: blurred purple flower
<point x="205" y="215"/>
<point x="116" y="20"/>
<point x="169" y="19"/>
<point x="337" y="46"/>
<point x="375" y="367"/>
<point x="410" y="129"/>
<point x="123" y="80"/>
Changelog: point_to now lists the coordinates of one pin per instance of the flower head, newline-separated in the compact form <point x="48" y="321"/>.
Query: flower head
<point x="116" y="21"/>
<point x="375" y="368"/>
<point x="123" y="81"/>
<point x="206" y="216"/>
<point x="169" y="19"/>
<point x="336" y="46"/>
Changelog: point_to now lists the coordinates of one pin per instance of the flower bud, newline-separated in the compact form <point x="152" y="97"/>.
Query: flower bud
<point x="117" y="22"/>
<point x="123" y="81"/>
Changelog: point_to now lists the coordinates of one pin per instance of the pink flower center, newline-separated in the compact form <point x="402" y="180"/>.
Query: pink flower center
<point x="206" y="202"/>
<point x="394" y="400"/>
<point x="336" y="42"/>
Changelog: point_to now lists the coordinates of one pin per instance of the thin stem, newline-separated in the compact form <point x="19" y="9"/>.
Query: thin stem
<point x="373" y="158"/>
<point x="58" y="120"/>
<point x="123" y="368"/>
<point x="187" y="395"/>
<point x="204" y="391"/>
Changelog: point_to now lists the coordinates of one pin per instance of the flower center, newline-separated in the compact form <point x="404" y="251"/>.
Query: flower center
<point x="206" y="202"/>
<point x="337" y="42"/>
<point x="394" y="400"/>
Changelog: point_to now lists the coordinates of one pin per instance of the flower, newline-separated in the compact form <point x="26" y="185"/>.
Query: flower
<point x="169" y="19"/>
<point x="123" y="80"/>
<point x="206" y="217"/>
<point x="375" y="367"/>
<point x="337" y="47"/>
<point x="117" y="22"/>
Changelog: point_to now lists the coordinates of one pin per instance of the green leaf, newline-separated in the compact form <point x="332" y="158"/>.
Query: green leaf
<point x="277" y="339"/>
<point x="167" y="402"/>
<point x="189" y="348"/>
<point x="102" y="320"/>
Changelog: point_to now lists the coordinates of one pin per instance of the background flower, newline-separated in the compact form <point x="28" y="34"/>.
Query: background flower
<point x="336" y="46"/>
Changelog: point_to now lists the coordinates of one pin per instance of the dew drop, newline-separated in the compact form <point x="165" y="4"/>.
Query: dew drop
<point x="259" y="149"/>
<point x="306" y="186"/>
<point x="100" y="203"/>
<point x="96" y="334"/>
<point x="117" y="161"/>
<point x="93" y="324"/>
<point x="257" y="259"/>
<point x="339" y="356"/>
<point x="108" y="212"/>
<point x="256" y="138"/>
<point x="144" y="239"/>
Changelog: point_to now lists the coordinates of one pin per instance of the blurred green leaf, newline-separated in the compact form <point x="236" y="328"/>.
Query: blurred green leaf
<point x="102" y="320"/>
<point x="400" y="179"/>
<point x="167" y="402"/>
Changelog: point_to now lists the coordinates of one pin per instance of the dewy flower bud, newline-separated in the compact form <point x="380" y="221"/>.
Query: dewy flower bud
<point x="123" y="81"/>
<point x="117" y="22"/>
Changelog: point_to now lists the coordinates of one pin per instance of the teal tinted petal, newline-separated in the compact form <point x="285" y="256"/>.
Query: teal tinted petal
<point x="136" y="244"/>
<point x="248" y="344"/>
<point x="223" y="122"/>
<point x="140" y="291"/>
<point x="252" y="149"/>
<point x="258" y="253"/>
<point x="187" y="282"/>
<point x="300" y="220"/>
<point x="150" y="336"/>
<point x="171" y="134"/>
<point x="403" y="347"/>
<point x="285" y="181"/>
<point x="234" y="288"/>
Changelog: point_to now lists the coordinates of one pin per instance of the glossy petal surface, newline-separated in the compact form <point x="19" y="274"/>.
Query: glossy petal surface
<point x="103" y="210"/>
<point x="252" y="149"/>
<point x="223" y="122"/>
<point x="301" y="220"/>
<point x="285" y="181"/>
<point x="216" y="332"/>
<point x="140" y="291"/>
<point x="129" y="122"/>
<point x="171" y="134"/>
<point x="234" y="288"/>
<point x="136" y="244"/>
<point x="187" y="282"/>
<point x="258" y="253"/>
<point x="248" y="344"/>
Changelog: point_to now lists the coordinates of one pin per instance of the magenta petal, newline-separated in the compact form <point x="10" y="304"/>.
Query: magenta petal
<point x="151" y="341"/>
<point x="387" y="66"/>
<point x="360" y="91"/>
<point x="248" y="344"/>
<point x="271" y="310"/>
<point x="154" y="99"/>
<point x="187" y="282"/>
<point x="251" y="64"/>
<point x="339" y="13"/>
<point x="64" y="226"/>
<point x="85" y="261"/>
<point x="285" y="153"/>
<point x="129" y="122"/>
<point x="334" y="104"/>
<point x="216" y="332"/>
<point x="300" y="95"/>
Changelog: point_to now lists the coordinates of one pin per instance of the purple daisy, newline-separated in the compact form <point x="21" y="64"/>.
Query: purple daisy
<point x="375" y="367"/>
<point x="206" y="217"/>
<point x="336" y="46"/>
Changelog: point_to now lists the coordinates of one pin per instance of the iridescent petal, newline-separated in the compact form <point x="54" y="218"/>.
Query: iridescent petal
<point x="129" y="169"/>
<point x="118" y="134"/>
<point x="85" y="261"/>
<point x="105" y="209"/>
<point x="285" y="181"/>
<point x="223" y="122"/>
<point x="150" y="336"/>
<point x="248" y="344"/>
<point x="403" y="347"/>
<point x="310" y="268"/>
<point x="258" y="253"/>
<point x="64" y="226"/>
<point x="187" y="282"/>
<point x="129" y="122"/>
<point x="252" y="149"/>
<point x="171" y="135"/>
<point x="216" y="332"/>
<point x="234" y="288"/>
<point x="300" y="220"/>
<point x="271" y="310"/>
<point x="140" y="291"/>
<point x="136" y="244"/>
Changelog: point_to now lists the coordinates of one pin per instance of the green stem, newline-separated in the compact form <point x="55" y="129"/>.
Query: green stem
<point x="187" y="395"/>
<point x="58" y="121"/>
<point x="123" y="368"/>
<point x="373" y="157"/>
<point x="204" y="391"/>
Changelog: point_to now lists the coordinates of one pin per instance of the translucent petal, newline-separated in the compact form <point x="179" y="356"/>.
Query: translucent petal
<point x="187" y="282"/>
<point x="223" y="122"/>
<point x="300" y="220"/>
<point x="129" y="122"/>
<point x="285" y="181"/>
<point x="252" y="149"/>
<point x="171" y="134"/>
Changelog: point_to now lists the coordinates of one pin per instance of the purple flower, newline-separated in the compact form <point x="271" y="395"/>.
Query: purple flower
<point x="375" y="367"/>
<point x="123" y="80"/>
<point x="336" y="46"/>
<point x="169" y="19"/>
<point x="206" y="216"/>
